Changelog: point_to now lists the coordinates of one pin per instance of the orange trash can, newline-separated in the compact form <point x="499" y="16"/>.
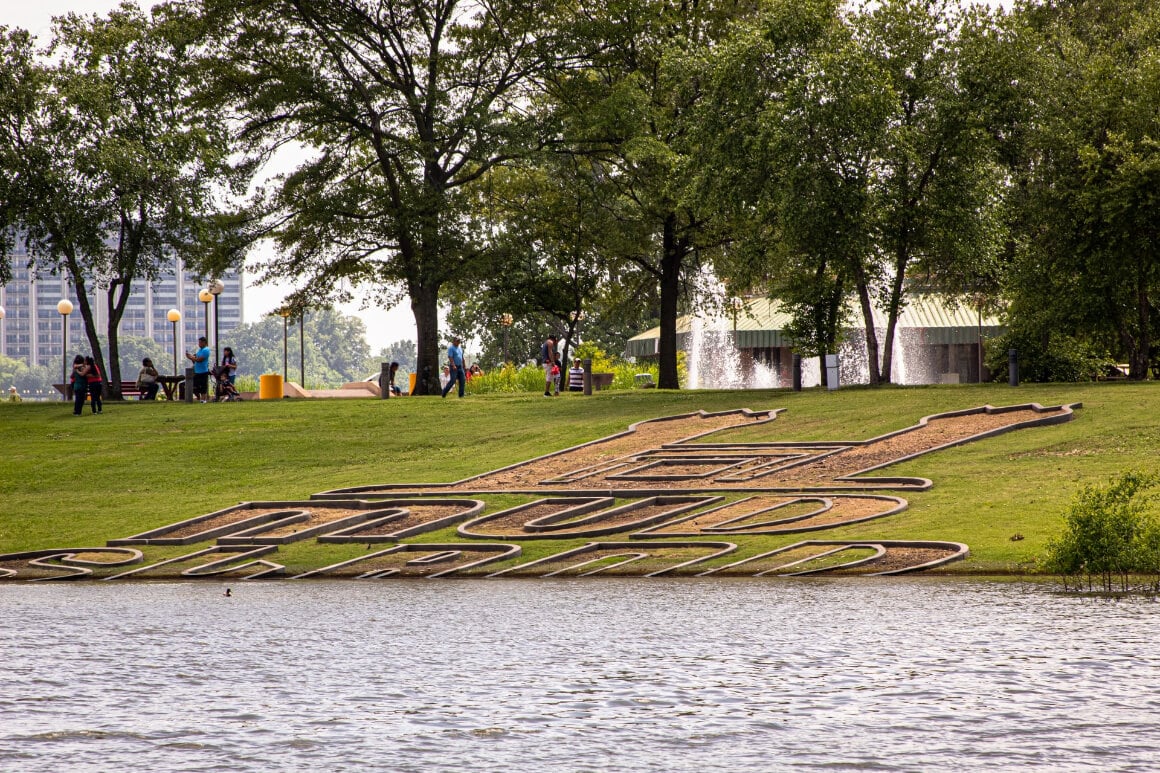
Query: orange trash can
<point x="270" y="387"/>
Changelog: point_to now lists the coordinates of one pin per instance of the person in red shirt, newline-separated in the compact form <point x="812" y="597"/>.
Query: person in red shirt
<point x="95" y="382"/>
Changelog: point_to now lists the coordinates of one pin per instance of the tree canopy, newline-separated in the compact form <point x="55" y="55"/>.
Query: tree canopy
<point x="403" y="106"/>
<point x="578" y="165"/>
<point x="112" y="167"/>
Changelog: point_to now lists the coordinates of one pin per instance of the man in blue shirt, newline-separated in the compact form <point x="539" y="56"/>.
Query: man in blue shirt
<point x="458" y="371"/>
<point x="200" y="361"/>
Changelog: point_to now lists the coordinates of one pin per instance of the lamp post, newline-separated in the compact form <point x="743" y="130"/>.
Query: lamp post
<point x="174" y="316"/>
<point x="284" y="313"/>
<point x="205" y="296"/>
<point x="65" y="308"/>
<point x="215" y="289"/>
<point x="302" y="348"/>
<point x="2" y="349"/>
<point x="505" y="320"/>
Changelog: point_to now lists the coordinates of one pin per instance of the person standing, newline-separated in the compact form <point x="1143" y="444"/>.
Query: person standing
<point x="576" y="377"/>
<point x="200" y="360"/>
<point x="455" y="364"/>
<point x="229" y="365"/>
<point x="96" y="384"/>
<point x="147" y="380"/>
<point x="79" y="384"/>
<point x="548" y="359"/>
<point x="557" y="374"/>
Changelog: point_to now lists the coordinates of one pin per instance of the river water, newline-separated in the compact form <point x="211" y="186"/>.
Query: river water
<point x="600" y="675"/>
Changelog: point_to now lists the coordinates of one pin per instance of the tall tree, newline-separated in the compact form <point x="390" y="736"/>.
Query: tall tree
<point x="402" y="107"/>
<point x="876" y="156"/>
<point x="936" y="187"/>
<point x="119" y="170"/>
<point x="631" y="111"/>
<point x="813" y="108"/>
<point x="21" y="83"/>
<point x="546" y="264"/>
<point x="1088" y="257"/>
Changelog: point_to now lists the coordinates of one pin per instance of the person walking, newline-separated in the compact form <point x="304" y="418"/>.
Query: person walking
<point x="96" y="384"/>
<point x="548" y="360"/>
<point x="79" y="384"/>
<point x="147" y="380"/>
<point x="455" y="363"/>
<point x="201" y="364"/>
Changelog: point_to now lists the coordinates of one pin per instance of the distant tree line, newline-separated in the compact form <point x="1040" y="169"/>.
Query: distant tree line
<point x="331" y="345"/>
<point x="577" y="165"/>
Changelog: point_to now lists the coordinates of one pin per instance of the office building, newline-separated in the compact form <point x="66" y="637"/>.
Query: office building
<point x="32" y="327"/>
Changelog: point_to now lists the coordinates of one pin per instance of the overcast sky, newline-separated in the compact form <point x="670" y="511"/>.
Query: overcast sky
<point x="383" y="327"/>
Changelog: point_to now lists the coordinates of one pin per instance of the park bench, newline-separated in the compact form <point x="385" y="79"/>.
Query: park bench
<point x="602" y="380"/>
<point x="128" y="389"/>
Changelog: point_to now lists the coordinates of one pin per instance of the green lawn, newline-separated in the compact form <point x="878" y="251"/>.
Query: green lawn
<point x="77" y="481"/>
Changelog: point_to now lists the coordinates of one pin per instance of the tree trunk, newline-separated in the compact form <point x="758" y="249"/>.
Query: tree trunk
<point x="671" y="258"/>
<point x="425" y="307"/>
<point x="78" y="282"/>
<point x="868" y="316"/>
<point x="893" y="308"/>
<point x="118" y="298"/>
<point x="1141" y="354"/>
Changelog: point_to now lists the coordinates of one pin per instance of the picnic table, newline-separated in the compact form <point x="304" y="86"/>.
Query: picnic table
<point x="169" y="385"/>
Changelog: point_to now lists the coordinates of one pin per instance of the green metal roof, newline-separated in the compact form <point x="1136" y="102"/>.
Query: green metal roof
<point x="761" y="322"/>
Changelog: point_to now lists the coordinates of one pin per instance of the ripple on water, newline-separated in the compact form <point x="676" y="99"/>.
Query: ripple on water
<point x="613" y="675"/>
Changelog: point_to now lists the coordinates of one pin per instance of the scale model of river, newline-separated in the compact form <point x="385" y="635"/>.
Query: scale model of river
<point x="911" y="674"/>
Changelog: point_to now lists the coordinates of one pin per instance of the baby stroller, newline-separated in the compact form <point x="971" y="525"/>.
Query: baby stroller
<point x="225" y="391"/>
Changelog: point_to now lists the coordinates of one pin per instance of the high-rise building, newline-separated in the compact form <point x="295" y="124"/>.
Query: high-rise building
<point x="32" y="327"/>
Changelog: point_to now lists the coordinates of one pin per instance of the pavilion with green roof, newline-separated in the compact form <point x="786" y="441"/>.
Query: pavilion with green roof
<point x="940" y="340"/>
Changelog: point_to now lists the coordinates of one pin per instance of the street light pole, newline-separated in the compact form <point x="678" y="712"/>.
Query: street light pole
<point x="2" y="347"/>
<point x="215" y="289"/>
<point x="65" y="308"/>
<point x="302" y="348"/>
<point x="174" y="316"/>
<point x="205" y="296"/>
<point x="284" y="313"/>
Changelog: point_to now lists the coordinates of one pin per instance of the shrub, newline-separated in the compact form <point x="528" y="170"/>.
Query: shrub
<point x="509" y="379"/>
<point x="1059" y="358"/>
<point x="530" y="378"/>
<point x="1109" y="535"/>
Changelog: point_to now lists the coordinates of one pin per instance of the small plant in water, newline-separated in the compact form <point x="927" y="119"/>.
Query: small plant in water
<point x="1111" y="539"/>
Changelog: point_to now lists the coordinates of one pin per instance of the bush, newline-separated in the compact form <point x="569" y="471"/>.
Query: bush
<point x="508" y="379"/>
<point x="530" y="378"/>
<point x="1109" y="536"/>
<point x="1063" y="358"/>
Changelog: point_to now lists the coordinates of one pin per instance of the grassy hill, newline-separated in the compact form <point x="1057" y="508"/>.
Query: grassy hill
<point x="77" y="481"/>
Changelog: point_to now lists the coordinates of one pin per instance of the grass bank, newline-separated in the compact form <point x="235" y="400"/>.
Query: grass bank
<point x="77" y="481"/>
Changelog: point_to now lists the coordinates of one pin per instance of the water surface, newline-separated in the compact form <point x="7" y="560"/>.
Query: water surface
<point x="600" y="675"/>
